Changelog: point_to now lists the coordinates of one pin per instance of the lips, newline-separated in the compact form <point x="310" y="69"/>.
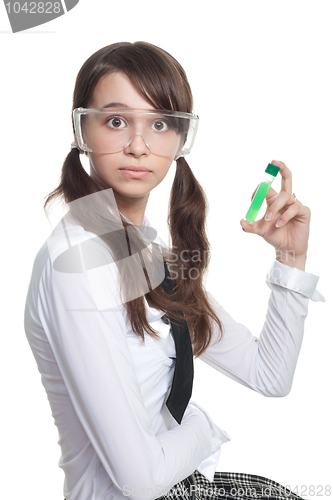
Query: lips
<point x="135" y="171"/>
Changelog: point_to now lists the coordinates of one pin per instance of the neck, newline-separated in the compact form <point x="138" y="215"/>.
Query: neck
<point x="133" y="208"/>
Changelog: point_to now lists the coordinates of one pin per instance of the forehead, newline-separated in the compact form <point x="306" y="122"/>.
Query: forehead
<point x="116" y="89"/>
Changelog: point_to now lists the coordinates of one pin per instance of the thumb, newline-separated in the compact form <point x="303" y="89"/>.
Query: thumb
<point x="248" y="228"/>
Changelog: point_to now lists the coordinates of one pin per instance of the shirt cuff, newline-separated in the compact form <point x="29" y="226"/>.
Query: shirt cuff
<point x="208" y="466"/>
<point x="295" y="280"/>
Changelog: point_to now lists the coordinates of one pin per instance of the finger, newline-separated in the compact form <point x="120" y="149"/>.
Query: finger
<point x="282" y="202"/>
<point x="289" y="214"/>
<point x="296" y="209"/>
<point x="286" y="181"/>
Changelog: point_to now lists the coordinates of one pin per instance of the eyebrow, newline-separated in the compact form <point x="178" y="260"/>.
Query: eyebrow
<point x="115" y="105"/>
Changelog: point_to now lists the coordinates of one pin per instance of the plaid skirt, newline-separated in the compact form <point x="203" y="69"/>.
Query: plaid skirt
<point x="228" y="486"/>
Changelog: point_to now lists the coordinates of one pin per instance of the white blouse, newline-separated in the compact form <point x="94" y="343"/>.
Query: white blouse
<point x="107" y="389"/>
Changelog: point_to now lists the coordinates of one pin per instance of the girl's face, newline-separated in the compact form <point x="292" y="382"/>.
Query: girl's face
<point x="117" y="170"/>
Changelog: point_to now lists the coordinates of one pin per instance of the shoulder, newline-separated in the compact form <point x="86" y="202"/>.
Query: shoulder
<point x="69" y="256"/>
<point x="73" y="249"/>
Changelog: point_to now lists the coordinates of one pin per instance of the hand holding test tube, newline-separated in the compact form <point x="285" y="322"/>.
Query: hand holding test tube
<point x="287" y="221"/>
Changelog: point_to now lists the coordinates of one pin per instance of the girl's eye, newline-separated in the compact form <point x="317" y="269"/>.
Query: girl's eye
<point x="116" y="122"/>
<point x="160" y="126"/>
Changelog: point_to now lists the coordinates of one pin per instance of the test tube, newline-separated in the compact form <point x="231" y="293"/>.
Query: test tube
<point x="260" y="194"/>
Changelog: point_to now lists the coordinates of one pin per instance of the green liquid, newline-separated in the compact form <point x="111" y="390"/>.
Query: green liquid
<point x="257" y="201"/>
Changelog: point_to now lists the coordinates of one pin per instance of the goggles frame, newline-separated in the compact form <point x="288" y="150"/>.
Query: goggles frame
<point x="190" y="133"/>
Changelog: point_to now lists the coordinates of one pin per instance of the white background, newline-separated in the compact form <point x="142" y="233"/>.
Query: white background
<point x="261" y="74"/>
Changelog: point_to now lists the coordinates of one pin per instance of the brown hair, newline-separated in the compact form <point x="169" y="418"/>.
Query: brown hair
<point x="160" y="79"/>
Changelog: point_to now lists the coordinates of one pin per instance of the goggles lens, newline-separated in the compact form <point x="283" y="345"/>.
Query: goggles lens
<point x="165" y="133"/>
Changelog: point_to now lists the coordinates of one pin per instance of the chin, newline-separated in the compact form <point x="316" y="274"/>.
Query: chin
<point x="131" y="193"/>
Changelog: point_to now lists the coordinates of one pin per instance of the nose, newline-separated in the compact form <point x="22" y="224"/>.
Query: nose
<point x="137" y="146"/>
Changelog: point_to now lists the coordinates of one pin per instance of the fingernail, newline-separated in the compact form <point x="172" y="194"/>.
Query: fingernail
<point x="279" y="223"/>
<point x="269" y="216"/>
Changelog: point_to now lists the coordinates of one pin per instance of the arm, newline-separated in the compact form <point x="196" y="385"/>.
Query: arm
<point x="266" y="364"/>
<point x="89" y="344"/>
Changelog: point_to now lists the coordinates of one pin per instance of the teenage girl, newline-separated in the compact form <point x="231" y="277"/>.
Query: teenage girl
<point x="110" y="306"/>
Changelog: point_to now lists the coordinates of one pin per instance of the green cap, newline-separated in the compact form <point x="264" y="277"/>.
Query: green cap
<point x="272" y="169"/>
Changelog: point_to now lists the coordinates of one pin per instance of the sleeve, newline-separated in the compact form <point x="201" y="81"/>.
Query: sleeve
<point x="266" y="364"/>
<point x="90" y="347"/>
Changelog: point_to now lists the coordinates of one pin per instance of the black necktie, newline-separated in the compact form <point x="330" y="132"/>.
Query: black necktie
<point x="182" y="381"/>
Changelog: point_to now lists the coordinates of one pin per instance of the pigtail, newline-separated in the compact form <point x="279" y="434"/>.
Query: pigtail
<point x="74" y="181"/>
<point x="190" y="254"/>
<point x="187" y="218"/>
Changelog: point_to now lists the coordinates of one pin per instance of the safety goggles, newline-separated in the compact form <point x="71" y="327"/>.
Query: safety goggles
<point x="164" y="133"/>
